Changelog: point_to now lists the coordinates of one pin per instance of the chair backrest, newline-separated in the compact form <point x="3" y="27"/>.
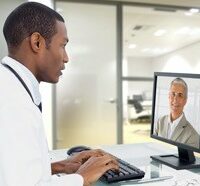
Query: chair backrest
<point x="138" y="97"/>
<point x="137" y="105"/>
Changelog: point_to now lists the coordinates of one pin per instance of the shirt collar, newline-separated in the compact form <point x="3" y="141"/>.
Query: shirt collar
<point x="27" y="76"/>
<point x="175" y="122"/>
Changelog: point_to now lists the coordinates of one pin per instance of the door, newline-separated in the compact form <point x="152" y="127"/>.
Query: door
<point x="85" y="97"/>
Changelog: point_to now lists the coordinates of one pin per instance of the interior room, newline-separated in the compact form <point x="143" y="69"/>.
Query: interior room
<point x="153" y="38"/>
<point x="105" y="74"/>
<point x="108" y="72"/>
<point x="105" y="97"/>
<point x="154" y="41"/>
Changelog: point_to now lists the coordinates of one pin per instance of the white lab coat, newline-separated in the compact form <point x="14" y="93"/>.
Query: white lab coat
<point x="24" y="158"/>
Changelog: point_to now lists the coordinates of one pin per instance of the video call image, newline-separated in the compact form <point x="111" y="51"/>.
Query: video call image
<point x="177" y="109"/>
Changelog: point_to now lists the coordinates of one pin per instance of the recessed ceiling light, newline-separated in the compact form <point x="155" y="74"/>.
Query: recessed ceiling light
<point x="188" y="13"/>
<point x="160" y="32"/>
<point x="191" y="11"/>
<point x="194" y="10"/>
<point x="146" y="50"/>
<point x="157" y="50"/>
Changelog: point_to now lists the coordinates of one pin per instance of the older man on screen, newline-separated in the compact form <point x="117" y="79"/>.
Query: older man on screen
<point x="175" y="125"/>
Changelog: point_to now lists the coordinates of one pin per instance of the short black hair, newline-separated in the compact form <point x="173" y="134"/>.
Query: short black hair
<point x="28" y="18"/>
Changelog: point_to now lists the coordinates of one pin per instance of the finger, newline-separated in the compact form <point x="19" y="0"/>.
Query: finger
<point x="98" y="152"/>
<point x="85" y="155"/>
<point x="107" y="159"/>
<point x="94" y="153"/>
<point x="106" y="153"/>
<point x="112" y="166"/>
<point x="111" y="158"/>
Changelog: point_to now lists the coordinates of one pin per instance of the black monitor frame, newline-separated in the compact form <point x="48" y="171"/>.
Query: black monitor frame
<point x="185" y="158"/>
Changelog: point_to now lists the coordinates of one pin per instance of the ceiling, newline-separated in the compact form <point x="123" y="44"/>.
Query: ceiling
<point x="186" y="3"/>
<point x="148" y="32"/>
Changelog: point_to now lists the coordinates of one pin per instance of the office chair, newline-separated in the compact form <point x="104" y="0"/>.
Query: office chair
<point x="137" y="112"/>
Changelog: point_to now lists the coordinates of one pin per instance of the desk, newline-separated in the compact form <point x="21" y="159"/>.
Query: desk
<point x="138" y="155"/>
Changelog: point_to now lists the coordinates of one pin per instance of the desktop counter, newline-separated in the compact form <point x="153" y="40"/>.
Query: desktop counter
<point x="139" y="156"/>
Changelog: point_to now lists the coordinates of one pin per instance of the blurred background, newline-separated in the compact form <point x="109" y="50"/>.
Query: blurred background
<point x="105" y="93"/>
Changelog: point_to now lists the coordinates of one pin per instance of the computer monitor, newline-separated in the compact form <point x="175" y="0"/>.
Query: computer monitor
<point x="176" y="117"/>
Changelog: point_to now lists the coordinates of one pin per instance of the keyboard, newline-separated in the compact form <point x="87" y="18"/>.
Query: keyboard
<point x="126" y="172"/>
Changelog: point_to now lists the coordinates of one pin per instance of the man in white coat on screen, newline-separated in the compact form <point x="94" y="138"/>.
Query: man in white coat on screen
<point x="36" y="37"/>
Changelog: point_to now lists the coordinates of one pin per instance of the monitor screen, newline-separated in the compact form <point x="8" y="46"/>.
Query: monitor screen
<point x="176" y="117"/>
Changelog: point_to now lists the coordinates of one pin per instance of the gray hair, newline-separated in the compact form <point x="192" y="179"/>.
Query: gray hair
<point x="181" y="82"/>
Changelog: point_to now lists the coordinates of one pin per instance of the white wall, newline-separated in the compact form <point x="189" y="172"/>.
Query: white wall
<point x="139" y="67"/>
<point x="187" y="3"/>
<point x="48" y="3"/>
<point x="186" y="60"/>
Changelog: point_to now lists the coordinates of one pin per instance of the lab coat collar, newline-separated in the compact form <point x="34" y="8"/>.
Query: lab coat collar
<point x="27" y="76"/>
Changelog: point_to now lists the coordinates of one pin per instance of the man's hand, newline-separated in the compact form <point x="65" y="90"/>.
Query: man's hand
<point x="83" y="156"/>
<point x="64" y="166"/>
<point x="95" y="167"/>
<point x="72" y="164"/>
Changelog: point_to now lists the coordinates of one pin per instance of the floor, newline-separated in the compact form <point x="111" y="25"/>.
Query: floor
<point x="137" y="132"/>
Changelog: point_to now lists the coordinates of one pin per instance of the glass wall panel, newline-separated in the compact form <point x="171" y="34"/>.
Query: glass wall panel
<point x="155" y="39"/>
<point x="6" y="7"/>
<point x="86" y="94"/>
<point x="137" y="105"/>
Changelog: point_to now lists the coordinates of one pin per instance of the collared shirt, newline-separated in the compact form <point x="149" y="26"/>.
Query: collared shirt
<point x="24" y="155"/>
<point x="172" y="125"/>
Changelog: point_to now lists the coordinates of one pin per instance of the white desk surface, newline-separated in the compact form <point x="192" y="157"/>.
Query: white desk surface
<point x="139" y="155"/>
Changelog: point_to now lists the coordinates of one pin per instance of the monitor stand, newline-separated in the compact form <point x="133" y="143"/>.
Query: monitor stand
<point x="184" y="160"/>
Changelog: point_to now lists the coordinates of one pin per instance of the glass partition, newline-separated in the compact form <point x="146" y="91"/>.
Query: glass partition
<point x="86" y="94"/>
<point x="6" y="7"/>
<point x="155" y="38"/>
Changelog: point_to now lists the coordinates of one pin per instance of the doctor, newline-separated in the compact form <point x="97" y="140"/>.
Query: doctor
<point x="36" y="37"/>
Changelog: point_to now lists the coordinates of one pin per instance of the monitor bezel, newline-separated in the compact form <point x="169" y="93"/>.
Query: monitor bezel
<point x="169" y="74"/>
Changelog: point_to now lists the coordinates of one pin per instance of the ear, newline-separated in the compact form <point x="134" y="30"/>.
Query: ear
<point x="36" y="41"/>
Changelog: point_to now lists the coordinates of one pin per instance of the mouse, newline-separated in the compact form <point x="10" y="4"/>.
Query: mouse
<point x="76" y="149"/>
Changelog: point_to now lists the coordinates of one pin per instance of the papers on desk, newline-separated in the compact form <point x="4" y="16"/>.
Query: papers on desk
<point x="180" y="178"/>
<point x="184" y="178"/>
